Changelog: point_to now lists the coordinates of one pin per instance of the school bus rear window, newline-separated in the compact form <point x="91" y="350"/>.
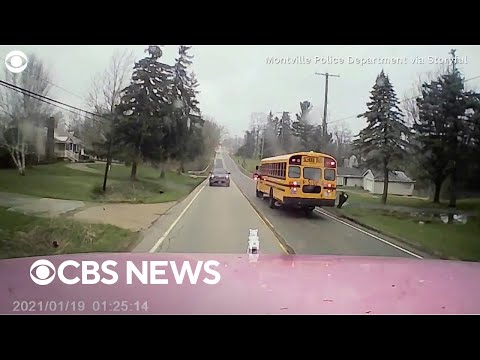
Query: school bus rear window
<point x="329" y="174"/>
<point x="294" y="171"/>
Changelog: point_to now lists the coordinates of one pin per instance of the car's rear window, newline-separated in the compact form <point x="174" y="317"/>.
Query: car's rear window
<point x="329" y="174"/>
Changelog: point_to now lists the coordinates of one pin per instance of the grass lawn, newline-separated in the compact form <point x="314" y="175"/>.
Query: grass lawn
<point x="61" y="182"/>
<point x="248" y="164"/>
<point x="458" y="241"/>
<point x="149" y="186"/>
<point x="360" y="196"/>
<point x="22" y="235"/>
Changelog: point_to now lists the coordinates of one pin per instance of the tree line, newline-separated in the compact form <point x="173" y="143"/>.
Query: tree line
<point x="271" y="134"/>
<point x="149" y="114"/>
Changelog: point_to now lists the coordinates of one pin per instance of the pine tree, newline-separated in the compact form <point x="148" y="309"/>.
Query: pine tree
<point x="285" y="131"/>
<point x="446" y="129"/>
<point x="301" y="128"/>
<point x="145" y="110"/>
<point x="385" y="138"/>
<point x="433" y="155"/>
<point x="270" y="136"/>
<point x="320" y="142"/>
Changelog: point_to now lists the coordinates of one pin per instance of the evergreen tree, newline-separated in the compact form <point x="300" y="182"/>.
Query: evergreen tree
<point x="433" y="155"/>
<point x="285" y="132"/>
<point x="385" y="138"/>
<point x="184" y="139"/>
<point x="145" y="109"/>
<point x="447" y="129"/>
<point x="301" y="128"/>
<point x="320" y="142"/>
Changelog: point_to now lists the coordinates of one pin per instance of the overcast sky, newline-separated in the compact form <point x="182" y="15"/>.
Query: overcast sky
<point x="237" y="80"/>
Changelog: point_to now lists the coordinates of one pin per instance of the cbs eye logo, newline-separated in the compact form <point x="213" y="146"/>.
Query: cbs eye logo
<point x="42" y="272"/>
<point x="16" y="61"/>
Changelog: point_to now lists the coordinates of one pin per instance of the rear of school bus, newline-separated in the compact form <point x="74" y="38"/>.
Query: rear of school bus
<point x="308" y="180"/>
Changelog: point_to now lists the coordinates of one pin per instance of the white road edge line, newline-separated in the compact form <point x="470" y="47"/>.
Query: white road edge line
<point x="356" y="228"/>
<point x="367" y="233"/>
<point x="159" y="241"/>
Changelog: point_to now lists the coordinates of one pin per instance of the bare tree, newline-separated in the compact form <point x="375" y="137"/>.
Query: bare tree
<point x="343" y="138"/>
<point x="106" y="87"/>
<point x="104" y="95"/>
<point x="258" y="121"/>
<point x="409" y="103"/>
<point x="23" y="117"/>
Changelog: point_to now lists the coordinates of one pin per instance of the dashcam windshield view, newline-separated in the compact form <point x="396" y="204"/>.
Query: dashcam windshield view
<point x="234" y="179"/>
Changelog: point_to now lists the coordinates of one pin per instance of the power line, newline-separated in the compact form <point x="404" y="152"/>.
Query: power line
<point x="58" y="86"/>
<point x="412" y="98"/>
<point x="44" y="99"/>
<point x="28" y="92"/>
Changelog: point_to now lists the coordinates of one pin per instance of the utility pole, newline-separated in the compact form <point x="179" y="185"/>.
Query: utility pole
<point x="454" y="60"/>
<point x="109" y="158"/>
<point x="324" y="127"/>
<point x="263" y="142"/>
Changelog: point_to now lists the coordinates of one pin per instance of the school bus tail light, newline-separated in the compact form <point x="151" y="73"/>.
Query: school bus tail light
<point x="330" y="163"/>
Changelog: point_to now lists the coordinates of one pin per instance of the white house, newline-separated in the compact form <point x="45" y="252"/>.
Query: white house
<point x="349" y="176"/>
<point x="398" y="182"/>
<point x="67" y="146"/>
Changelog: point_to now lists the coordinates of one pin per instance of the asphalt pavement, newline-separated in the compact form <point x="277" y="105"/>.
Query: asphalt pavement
<point x="212" y="219"/>
<point x="218" y="219"/>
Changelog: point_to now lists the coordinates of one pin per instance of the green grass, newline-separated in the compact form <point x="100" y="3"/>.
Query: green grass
<point x="360" y="196"/>
<point x="246" y="163"/>
<point x="61" y="182"/>
<point x="149" y="185"/>
<point x="54" y="180"/>
<point x="23" y="235"/>
<point x="456" y="241"/>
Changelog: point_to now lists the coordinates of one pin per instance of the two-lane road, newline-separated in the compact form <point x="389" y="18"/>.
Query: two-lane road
<point x="218" y="219"/>
<point x="213" y="219"/>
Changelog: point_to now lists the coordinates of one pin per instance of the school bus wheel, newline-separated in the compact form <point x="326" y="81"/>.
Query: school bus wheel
<point x="271" y="199"/>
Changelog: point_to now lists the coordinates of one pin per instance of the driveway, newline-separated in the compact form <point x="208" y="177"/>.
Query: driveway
<point x="133" y="217"/>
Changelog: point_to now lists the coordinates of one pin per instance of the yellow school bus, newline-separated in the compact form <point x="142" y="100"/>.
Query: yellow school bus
<point x="302" y="180"/>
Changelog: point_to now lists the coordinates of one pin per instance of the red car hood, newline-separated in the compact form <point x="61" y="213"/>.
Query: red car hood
<point x="287" y="284"/>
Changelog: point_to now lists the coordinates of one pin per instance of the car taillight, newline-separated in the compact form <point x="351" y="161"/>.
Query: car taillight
<point x="227" y="176"/>
<point x="212" y="176"/>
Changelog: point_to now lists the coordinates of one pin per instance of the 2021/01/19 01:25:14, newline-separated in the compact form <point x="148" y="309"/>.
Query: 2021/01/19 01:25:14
<point x="120" y="306"/>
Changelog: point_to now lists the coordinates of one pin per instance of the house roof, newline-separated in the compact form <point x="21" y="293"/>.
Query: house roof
<point x="393" y="176"/>
<point x="63" y="136"/>
<point x="350" y="172"/>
